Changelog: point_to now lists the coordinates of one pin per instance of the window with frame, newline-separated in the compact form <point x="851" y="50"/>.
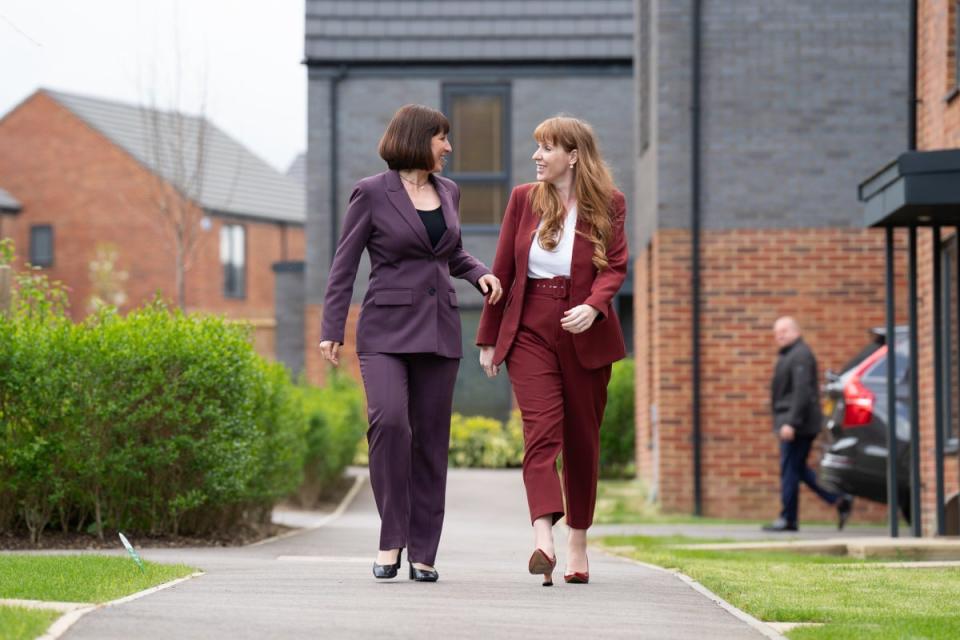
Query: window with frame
<point x="233" y="259"/>
<point x="41" y="245"/>
<point x="479" y="117"/>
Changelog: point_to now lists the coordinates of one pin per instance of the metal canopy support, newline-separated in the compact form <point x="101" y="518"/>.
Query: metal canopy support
<point x="914" y="388"/>
<point x="938" y="385"/>
<point x="892" y="494"/>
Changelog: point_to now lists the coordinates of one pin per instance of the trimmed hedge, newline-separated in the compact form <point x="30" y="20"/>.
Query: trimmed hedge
<point x="156" y="422"/>
<point x="618" y="429"/>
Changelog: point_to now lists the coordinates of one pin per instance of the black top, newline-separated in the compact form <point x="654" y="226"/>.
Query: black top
<point x="435" y="224"/>
<point x="794" y="395"/>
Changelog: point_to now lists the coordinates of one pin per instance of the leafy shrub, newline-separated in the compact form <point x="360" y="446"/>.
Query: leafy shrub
<point x="477" y="441"/>
<point x="156" y="422"/>
<point x="336" y="424"/>
<point x="617" y="430"/>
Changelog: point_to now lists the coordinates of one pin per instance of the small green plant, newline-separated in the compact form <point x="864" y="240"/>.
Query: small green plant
<point x="476" y="441"/>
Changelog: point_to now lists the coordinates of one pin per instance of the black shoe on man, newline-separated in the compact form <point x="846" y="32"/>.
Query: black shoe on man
<point x="780" y="525"/>
<point x="844" y="509"/>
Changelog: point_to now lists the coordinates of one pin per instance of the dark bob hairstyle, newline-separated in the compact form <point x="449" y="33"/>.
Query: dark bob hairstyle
<point x="406" y="142"/>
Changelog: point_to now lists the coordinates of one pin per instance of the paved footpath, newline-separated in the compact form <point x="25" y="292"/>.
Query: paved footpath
<point x="318" y="584"/>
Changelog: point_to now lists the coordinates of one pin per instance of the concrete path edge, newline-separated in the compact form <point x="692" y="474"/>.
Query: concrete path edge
<point x="759" y="625"/>
<point x="67" y="620"/>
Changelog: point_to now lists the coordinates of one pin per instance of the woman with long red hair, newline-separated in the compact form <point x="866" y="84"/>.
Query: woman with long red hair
<point x="561" y="256"/>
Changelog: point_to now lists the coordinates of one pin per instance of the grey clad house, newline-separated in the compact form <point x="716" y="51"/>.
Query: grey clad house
<point x="496" y="68"/>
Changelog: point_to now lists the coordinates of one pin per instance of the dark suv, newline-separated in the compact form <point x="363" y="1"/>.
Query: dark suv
<point x="855" y="413"/>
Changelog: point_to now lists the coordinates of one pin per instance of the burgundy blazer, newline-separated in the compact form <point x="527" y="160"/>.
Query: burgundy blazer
<point x="602" y="343"/>
<point x="410" y="305"/>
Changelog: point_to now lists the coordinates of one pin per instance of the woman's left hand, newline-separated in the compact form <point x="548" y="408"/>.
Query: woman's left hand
<point x="489" y="283"/>
<point x="579" y="319"/>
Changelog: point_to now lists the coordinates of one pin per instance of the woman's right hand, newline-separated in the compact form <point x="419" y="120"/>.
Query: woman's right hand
<point x="486" y="362"/>
<point x="330" y="350"/>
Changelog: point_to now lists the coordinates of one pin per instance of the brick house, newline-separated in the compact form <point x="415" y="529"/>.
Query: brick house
<point x="752" y="151"/>
<point x="920" y="190"/>
<point x="497" y="69"/>
<point x="85" y="173"/>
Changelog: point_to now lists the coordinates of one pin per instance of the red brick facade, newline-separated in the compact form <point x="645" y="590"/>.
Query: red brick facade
<point x="938" y="127"/>
<point x="91" y="191"/>
<point x="831" y="280"/>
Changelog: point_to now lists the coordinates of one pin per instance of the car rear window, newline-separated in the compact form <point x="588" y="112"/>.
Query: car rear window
<point x="877" y="373"/>
<point x="860" y="357"/>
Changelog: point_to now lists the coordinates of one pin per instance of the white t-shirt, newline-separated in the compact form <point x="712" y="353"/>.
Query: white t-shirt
<point x="549" y="264"/>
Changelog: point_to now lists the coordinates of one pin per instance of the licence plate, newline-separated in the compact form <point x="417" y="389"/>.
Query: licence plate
<point x="828" y="406"/>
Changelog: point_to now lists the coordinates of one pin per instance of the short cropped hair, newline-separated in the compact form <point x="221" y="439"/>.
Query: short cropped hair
<point x="406" y="142"/>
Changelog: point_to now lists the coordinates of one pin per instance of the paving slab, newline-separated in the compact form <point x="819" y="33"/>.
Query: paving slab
<point x="319" y="584"/>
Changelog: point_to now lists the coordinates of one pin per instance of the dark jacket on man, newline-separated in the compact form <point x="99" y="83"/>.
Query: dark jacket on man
<point x="794" y="395"/>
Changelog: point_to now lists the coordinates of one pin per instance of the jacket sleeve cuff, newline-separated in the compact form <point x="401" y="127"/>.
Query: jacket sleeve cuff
<point x="600" y="305"/>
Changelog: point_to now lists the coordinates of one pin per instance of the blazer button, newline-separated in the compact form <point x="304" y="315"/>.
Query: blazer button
<point x="432" y="291"/>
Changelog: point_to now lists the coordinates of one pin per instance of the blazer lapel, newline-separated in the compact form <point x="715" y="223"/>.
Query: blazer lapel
<point x="401" y="201"/>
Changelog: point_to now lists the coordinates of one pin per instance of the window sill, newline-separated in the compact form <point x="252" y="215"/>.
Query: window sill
<point x="950" y="97"/>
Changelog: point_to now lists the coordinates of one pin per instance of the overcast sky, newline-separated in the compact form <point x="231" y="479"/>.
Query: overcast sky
<point x="246" y="54"/>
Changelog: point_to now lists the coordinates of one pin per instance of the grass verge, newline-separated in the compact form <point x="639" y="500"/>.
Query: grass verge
<point x="853" y="600"/>
<point x="17" y="623"/>
<point x="86" y="578"/>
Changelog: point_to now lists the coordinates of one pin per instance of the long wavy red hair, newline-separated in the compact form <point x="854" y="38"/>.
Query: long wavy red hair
<point x="593" y="186"/>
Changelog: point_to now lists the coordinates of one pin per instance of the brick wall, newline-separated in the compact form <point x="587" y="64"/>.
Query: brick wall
<point x="831" y="280"/>
<point x="70" y="176"/>
<point x="938" y="127"/>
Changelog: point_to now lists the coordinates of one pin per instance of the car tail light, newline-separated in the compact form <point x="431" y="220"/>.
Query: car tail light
<point x="858" y="403"/>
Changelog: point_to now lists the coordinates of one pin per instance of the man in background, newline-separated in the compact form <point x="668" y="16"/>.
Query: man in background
<point x="795" y="403"/>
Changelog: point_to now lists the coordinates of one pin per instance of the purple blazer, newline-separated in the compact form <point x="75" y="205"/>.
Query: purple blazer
<point x="410" y="306"/>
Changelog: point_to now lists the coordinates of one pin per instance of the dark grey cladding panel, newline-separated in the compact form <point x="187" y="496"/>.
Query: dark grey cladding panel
<point x="378" y="30"/>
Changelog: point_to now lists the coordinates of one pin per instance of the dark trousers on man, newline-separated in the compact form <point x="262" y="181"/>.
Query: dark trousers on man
<point x="409" y="400"/>
<point x="562" y="407"/>
<point x="793" y="471"/>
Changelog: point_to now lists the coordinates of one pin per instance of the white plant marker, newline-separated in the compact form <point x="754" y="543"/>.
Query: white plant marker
<point x="133" y="552"/>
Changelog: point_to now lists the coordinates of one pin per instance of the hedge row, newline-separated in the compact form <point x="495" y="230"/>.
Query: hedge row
<point x="156" y="422"/>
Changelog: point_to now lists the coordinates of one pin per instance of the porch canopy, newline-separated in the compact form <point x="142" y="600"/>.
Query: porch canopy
<point x="918" y="189"/>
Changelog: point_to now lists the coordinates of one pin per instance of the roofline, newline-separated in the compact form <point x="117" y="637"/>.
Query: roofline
<point x="466" y="62"/>
<point x="252" y="217"/>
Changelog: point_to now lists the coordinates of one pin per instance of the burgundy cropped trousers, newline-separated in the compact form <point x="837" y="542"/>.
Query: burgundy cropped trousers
<point x="562" y="406"/>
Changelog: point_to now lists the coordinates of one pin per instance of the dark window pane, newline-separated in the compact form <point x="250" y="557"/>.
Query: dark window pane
<point x="41" y="246"/>
<point x="232" y="257"/>
<point x="482" y="203"/>
<point x="477" y="134"/>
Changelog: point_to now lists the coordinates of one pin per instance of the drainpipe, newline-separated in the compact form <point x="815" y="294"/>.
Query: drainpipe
<point x="335" y="80"/>
<point x="912" y="106"/>
<point x="695" y="116"/>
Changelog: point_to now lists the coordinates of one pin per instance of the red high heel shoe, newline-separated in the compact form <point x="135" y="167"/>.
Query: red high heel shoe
<point x="541" y="563"/>
<point x="577" y="577"/>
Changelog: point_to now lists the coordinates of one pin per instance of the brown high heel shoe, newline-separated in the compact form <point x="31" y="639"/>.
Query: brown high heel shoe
<point x="541" y="563"/>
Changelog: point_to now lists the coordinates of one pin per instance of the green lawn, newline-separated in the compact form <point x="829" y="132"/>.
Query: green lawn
<point x="628" y="502"/>
<point x="87" y="578"/>
<point x="17" y="623"/>
<point x="854" y="600"/>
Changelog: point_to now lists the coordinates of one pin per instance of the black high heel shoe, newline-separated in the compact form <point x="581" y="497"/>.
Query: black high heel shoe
<point x="384" y="571"/>
<point x="423" y="575"/>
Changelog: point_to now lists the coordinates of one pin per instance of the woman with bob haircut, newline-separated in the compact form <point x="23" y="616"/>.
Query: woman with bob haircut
<point x="408" y="335"/>
<point x="562" y="256"/>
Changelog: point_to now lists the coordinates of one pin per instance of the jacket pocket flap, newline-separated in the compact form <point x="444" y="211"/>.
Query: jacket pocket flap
<point x="453" y="299"/>
<point x="393" y="297"/>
